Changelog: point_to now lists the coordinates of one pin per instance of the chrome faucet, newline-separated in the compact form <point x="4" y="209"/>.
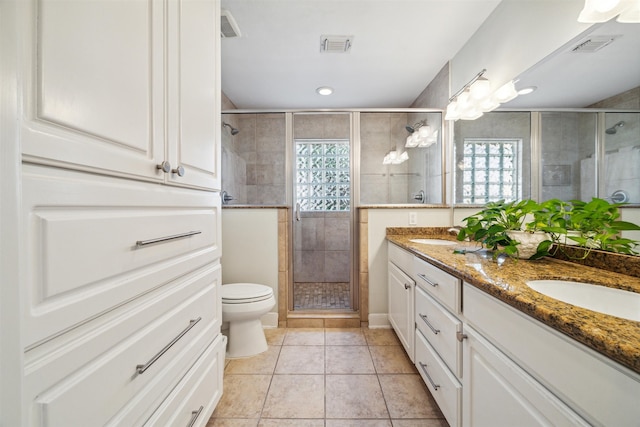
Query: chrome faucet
<point x="419" y="196"/>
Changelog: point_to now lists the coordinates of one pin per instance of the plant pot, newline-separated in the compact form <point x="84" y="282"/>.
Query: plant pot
<point x="528" y="241"/>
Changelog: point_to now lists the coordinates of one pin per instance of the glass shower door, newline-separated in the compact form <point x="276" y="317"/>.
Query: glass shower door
<point x="322" y="266"/>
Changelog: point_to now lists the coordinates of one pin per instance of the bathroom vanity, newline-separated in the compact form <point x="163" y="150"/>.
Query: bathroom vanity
<point x="492" y="351"/>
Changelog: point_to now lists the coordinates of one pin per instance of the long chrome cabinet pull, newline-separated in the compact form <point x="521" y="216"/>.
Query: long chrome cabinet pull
<point x="424" y="369"/>
<point x="194" y="416"/>
<point x="141" y="243"/>
<point x="424" y="317"/>
<point x="141" y="368"/>
<point x="423" y="277"/>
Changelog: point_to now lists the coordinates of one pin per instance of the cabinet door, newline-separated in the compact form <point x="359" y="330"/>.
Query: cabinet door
<point x="92" y="85"/>
<point x="401" y="308"/>
<point x="194" y="93"/>
<point x="496" y="391"/>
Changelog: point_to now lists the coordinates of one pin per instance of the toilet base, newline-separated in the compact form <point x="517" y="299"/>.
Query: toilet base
<point x="246" y="339"/>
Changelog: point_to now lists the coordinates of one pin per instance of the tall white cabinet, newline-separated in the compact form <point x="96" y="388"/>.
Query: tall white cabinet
<point x="111" y="125"/>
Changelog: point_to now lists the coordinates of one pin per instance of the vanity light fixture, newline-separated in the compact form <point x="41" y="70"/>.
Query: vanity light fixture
<point x="422" y="135"/>
<point x="324" y="90"/>
<point x="476" y="98"/>
<point x="393" y="158"/>
<point x="594" y="11"/>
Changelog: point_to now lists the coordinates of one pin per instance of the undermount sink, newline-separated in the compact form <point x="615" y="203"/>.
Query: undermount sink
<point x="441" y="242"/>
<point x="602" y="299"/>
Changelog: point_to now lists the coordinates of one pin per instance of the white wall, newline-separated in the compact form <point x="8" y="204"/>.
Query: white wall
<point x="516" y="36"/>
<point x="250" y="247"/>
<point x="379" y="220"/>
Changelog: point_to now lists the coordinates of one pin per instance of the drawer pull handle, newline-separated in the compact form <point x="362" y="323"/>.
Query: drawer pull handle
<point x="424" y="318"/>
<point x="194" y="416"/>
<point x="423" y="277"/>
<point x="407" y="286"/>
<point x="424" y="369"/>
<point x="141" y="368"/>
<point x="460" y="336"/>
<point x="141" y="243"/>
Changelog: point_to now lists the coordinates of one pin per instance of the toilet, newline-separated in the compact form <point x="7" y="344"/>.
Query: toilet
<point x="242" y="306"/>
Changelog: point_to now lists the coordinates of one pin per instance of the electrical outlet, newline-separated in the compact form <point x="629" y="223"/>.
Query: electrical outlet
<point x="413" y="218"/>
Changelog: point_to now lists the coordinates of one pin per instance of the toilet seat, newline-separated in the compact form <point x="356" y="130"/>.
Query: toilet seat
<point x="244" y="293"/>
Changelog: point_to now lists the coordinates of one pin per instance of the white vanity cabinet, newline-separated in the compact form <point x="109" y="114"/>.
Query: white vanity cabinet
<point x="518" y="371"/>
<point x="125" y="88"/>
<point x="401" y="296"/>
<point x="438" y="350"/>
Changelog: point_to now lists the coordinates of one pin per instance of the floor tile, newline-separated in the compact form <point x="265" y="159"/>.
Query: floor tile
<point x="348" y="359"/>
<point x="291" y="423"/>
<point x="232" y="422"/>
<point x="304" y="336"/>
<point x="358" y="423"/>
<point x="420" y="423"/>
<point x="275" y="336"/>
<point x="354" y="396"/>
<point x="295" y="396"/>
<point x="243" y="396"/>
<point x="344" y="336"/>
<point x="263" y="363"/>
<point x="380" y="337"/>
<point x="391" y="359"/>
<point x="301" y="359"/>
<point x="408" y="397"/>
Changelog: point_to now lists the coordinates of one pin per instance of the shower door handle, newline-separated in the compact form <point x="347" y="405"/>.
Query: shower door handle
<point x="297" y="211"/>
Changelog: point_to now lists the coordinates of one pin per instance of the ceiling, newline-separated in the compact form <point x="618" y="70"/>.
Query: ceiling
<point x="398" y="47"/>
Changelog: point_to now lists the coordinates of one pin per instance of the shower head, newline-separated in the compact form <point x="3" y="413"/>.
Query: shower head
<point x="233" y="130"/>
<point x="613" y="129"/>
<point x="412" y="129"/>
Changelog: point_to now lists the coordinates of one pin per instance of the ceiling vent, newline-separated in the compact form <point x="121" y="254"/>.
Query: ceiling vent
<point x="335" y="44"/>
<point x="593" y="44"/>
<point x="228" y="26"/>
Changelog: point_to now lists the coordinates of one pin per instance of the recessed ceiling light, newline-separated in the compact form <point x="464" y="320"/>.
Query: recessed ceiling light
<point x="324" y="90"/>
<point x="527" y="90"/>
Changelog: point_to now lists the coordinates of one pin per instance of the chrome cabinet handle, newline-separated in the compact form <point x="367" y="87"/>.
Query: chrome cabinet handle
<point x="407" y="286"/>
<point x="424" y="369"/>
<point x="297" y="211"/>
<point x="423" y="277"/>
<point x="179" y="170"/>
<point x="194" y="416"/>
<point x="141" y="368"/>
<point x="164" y="167"/>
<point x="424" y="318"/>
<point x="141" y="243"/>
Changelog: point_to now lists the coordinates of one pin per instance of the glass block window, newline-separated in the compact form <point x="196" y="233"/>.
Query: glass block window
<point x="323" y="181"/>
<point x="491" y="170"/>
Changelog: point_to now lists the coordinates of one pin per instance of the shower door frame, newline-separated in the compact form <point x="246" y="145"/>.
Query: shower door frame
<point x="354" y="158"/>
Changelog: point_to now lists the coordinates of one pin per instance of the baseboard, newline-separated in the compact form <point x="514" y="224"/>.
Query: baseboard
<point x="379" y="321"/>
<point x="269" y="320"/>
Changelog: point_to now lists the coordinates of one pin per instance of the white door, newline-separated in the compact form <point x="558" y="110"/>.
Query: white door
<point x="92" y="80"/>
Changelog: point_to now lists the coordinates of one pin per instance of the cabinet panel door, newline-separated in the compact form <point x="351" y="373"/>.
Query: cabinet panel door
<point x="401" y="307"/>
<point x="93" y="85"/>
<point x="194" y="93"/>
<point x="499" y="392"/>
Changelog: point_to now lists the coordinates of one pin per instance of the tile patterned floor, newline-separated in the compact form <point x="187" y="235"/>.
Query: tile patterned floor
<point x="326" y="378"/>
<point x="321" y="296"/>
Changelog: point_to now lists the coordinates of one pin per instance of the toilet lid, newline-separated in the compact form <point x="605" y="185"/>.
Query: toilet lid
<point x="236" y="293"/>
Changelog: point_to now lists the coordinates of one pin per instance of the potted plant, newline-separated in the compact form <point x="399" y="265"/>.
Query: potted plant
<point x="515" y="228"/>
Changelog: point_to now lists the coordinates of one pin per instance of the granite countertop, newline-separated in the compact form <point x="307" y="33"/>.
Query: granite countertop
<point x="614" y="337"/>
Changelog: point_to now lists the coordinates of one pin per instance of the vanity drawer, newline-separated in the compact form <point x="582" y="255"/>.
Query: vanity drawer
<point x="91" y="244"/>
<point x="129" y="379"/>
<point x="444" y="387"/>
<point x="192" y="402"/>
<point x="401" y="258"/>
<point x="441" y="285"/>
<point x="439" y="327"/>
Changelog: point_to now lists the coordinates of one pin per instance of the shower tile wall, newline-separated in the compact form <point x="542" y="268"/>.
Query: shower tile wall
<point x="260" y="144"/>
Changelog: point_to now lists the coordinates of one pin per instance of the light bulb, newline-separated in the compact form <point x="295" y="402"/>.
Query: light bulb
<point x="480" y="89"/>
<point x="425" y="131"/>
<point x="506" y="93"/>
